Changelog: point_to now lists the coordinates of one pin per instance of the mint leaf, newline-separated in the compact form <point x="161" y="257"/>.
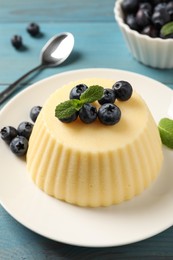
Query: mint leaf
<point x="77" y="104"/>
<point x="65" y="109"/>
<point x="167" y="29"/>
<point x="166" y="131"/>
<point x="92" y="94"/>
<point x="69" y="107"/>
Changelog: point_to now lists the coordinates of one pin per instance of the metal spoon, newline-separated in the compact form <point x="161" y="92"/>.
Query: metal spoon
<point x="55" y="51"/>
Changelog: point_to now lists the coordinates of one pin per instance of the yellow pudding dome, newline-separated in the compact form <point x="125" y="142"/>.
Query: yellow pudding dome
<point x="94" y="164"/>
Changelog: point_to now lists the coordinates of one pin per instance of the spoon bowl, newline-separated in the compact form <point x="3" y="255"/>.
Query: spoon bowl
<point x="54" y="52"/>
<point x="57" y="49"/>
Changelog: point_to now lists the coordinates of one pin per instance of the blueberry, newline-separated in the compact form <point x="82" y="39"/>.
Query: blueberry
<point x="159" y="18"/>
<point x="70" y="118"/>
<point x="129" y="6"/>
<point x="77" y="91"/>
<point x="8" y="133"/>
<point x="151" y="31"/>
<point x="17" y="41"/>
<point x="88" y="113"/>
<point x="131" y="22"/>
<point x="159" y="6"/>
<point x="19" y="145"/>
<point x="34" y="112"/>
<point x="169" y="9"/>
<point x="143" y="18"/>
<point x="149" y="16"/>
<point x="146" y="6"/>
<point x="33" y="29"/>
<point x="25" y="129"/>
<point x="156" y="2"/>
<point x="108" y="96"/>
<point x="109" y="114"/>
<point x="123" y="90"/>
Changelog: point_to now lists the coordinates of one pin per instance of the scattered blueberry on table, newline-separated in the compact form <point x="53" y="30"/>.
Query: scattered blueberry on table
<point x="17" y="41"/>
<point x="33" y="29"/>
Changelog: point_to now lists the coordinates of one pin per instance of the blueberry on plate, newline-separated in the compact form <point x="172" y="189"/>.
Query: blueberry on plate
<point x="70" y="118"/>
<point x="108" y="96"/>
<point x="123" y="90"/>
<point x="8" y="133"/>
<point x="35" y="112"/>
<point x="77" y="91"/>
<point x="25" y="129"/>
<point x="88" y="113"/>
<point x="109" y="114"/>
<point x="33" y="29"/>
<point x="19" y="145"/>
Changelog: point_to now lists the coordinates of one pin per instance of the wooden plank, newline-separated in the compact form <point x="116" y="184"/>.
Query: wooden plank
<point x="96" y="45"/>
<point x="56" y="10"/>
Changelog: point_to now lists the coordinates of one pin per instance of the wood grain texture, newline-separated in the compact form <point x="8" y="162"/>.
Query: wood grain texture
<point x="98" y="44"/>
<point x="56" y="11"/>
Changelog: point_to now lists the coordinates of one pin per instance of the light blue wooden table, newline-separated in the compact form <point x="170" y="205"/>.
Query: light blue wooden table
<point x="98" y="44"/>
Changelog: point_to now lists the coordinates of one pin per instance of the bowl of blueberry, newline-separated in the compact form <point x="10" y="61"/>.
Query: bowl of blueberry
<point x="147" y="27"/>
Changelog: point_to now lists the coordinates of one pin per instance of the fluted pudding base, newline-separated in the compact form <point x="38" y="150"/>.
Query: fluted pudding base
<point x="94" y="165"/>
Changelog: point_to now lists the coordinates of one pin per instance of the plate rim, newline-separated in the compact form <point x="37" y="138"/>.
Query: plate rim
<point x="79" y="71"/>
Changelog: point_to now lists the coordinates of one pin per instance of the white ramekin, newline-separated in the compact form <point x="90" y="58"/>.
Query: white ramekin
<point x="154" y="52"/>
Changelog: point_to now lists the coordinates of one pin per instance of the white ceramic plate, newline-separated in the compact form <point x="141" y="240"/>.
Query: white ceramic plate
<point x="138" y="219"/>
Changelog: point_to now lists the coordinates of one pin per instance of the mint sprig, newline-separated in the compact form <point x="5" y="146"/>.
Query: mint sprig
<point x="167" y="29"/>
<point x="69" y="107"/>
<point x="65" y="108"/>
<point x="166" y="131"/>
<point x="92" y="94"/>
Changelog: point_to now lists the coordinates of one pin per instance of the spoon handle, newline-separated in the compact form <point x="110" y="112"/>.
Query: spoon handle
<point x="11" y="88"/>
